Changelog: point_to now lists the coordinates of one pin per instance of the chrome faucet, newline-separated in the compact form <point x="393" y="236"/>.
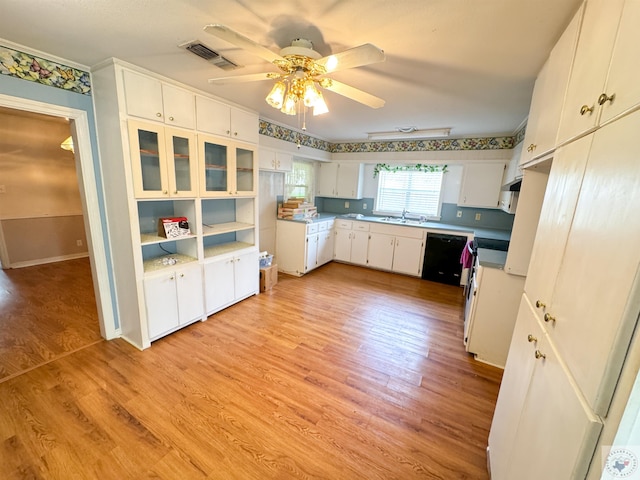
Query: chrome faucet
<point x="404" y="212"/>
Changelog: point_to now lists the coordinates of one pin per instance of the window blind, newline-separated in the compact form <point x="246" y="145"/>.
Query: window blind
<point x="413" y="191"/>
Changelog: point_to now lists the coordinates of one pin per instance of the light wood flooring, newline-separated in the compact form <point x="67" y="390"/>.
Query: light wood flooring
<point x="346" y="373"/>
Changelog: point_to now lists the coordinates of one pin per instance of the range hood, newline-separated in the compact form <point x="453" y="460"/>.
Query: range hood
<point x="513" y="185"/>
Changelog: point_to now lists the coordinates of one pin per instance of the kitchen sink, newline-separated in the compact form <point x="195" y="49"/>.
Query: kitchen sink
<point x="402" y="221"/>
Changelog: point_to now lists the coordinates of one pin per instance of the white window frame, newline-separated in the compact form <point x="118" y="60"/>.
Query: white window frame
<point x="411" y="212"/>
<point x="290" y="182"/>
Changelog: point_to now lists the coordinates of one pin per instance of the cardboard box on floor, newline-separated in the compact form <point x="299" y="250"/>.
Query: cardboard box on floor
<point x="268" y="277"/>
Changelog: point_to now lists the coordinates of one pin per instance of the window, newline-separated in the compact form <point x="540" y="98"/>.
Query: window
<point x="414" y="191"/>
<point x="299" y="181"/>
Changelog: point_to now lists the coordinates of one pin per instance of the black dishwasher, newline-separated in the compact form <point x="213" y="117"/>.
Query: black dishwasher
<point x="442" y="258"/>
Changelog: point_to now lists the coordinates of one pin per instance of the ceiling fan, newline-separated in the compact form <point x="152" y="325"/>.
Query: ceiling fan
<point x="301" y="71"/>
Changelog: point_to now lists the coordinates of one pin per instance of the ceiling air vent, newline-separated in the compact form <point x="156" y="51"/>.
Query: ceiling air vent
<point x="200" y="49"/>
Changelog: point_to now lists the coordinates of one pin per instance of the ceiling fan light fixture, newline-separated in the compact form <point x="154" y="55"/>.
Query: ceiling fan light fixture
<point x="409" y="133"/>
<point x="320" y="106"/>
<point x="289" y="105"/>
<point x="276" y="95"/>
<point x="311" y="93"/>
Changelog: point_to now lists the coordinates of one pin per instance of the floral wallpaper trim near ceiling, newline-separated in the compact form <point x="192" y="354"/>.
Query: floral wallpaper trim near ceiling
<point x="486" y="143"/>
<point x="34" y="69"/>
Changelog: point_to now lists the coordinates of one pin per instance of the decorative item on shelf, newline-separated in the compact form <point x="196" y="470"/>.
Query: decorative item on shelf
<point x="173" y="227"/>
<point x="297" y="209"/>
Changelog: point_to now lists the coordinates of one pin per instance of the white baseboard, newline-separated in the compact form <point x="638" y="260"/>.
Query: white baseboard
<point x="43" y="261"/>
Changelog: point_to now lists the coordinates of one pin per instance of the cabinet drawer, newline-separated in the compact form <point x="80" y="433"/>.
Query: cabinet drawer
<point x="362" y="226"/>
<point x="346" y="224"/>
<point x="322" y="226"/>
<point x="312" y="228"/>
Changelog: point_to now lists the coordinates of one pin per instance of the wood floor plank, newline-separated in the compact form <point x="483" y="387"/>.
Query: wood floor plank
<point x="345" y="373"/>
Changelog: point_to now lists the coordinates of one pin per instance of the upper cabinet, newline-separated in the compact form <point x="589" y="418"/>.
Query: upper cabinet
<point x="275" y="161"/>
<point x="340" y="180"/>
<point x="601" y="87"/>
<point x="149" y="98"/>
<point x="220" y="119"/>
<point x="481" y="185"/>
<point x="548" y="95"/>
<point x="226" y="167"/>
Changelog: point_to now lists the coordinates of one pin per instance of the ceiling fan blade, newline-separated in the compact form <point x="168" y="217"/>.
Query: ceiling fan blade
<point x="231" y="36"/>
<point x="354" y="57"/>
<point x="252" y="77"/>
<point x="352" y="93"/>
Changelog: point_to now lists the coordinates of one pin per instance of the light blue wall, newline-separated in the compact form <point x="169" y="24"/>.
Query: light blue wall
<point x="18" y="88"/>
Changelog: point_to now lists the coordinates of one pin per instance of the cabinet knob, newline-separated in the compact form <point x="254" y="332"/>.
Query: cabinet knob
<point x="158" y="114"/>
<point x="539" y="354"/>
<point x="175" y="192"/>
<point x="531" y="147"/>
<point x="171" y="277"/>
<point x="182" y="275"/>
<point x="585" y="109"/>
<point x="531" y="338"/>
<point x="603" y="98"/>
<point x="171" y="118"/>
<point x="164" y="192"/>
<point x="228" y="132"/>
<point x="235" y="134"/>
<point x="539" y="304"/>
<point x="549" y="318"/>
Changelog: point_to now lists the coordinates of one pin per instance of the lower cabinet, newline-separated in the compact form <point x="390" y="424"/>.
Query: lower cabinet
<point x="301" y="247"/>
<point x="351" y="242"/>
<point x="229" y="279"/>
<point x="396" y="248"/>
<point x="173" y="299"/>
<point x="539" y="410"/>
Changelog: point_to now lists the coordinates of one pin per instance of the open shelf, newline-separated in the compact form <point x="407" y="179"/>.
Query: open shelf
<point x="151" y="238"/>
<point x="220" y="228"/>
<point x="156" y="264"/>
<point x="221" y="249"/>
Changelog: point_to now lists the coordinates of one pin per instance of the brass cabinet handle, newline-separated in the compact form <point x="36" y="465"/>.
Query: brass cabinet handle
<point x="539" y="354"/>
<point x="603" y="98"/>
<point x="531" y="147"/>
<point x="158" y="114"/>
<point x="171" y="118"/>
<point x="539" y="304"/>
<point x="164" y="192"/>
<point x="586" y="109"/>
<point x="549" y="318"/>
<point x="531" y="338"/>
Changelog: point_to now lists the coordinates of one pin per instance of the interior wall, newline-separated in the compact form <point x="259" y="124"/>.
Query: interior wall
<point x="40" y="205"/>
<point x="271" y="186"/>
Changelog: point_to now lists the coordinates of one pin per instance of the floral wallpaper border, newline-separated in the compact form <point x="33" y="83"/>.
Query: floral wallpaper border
<point x="35" y="69"/>
<point x="483" y="143"/>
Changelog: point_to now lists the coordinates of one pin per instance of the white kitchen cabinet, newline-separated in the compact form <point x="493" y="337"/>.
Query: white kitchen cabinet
<point x="230" y="278"/>
<point x="548" y="95"/>
<point x="340" y="180"/>
<point x="509" y="201"/>
<point x="227" y="168"/>
<point x="396" y="248"/>
<point x="224" y="120"/>
<point x="351" y="242"/>
<point x="152" y="99"/>
<point x="380" y="250"/>
<point x="481" y="183"/>
<point x="274" y="161"/>
<point x="162" y="161"/>
<point x="173" y="299"/>
<point x="302" y="247"/>
<point x="601" y="85"/>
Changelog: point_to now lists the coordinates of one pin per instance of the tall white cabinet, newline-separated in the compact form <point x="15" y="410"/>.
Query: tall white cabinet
<point x="170" y="151"/>
<point x="581" y="299"/>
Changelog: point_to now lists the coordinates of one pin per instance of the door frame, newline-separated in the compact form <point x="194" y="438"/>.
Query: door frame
<point x="100" y="268"/>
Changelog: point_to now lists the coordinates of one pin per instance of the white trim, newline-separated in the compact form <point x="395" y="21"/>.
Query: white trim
<point x="89" y="195"/>
<point x="42" y="261"/>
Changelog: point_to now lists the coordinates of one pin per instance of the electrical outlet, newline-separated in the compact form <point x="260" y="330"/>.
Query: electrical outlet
<point x="364" y="206"/>
<point x="79" y="243"/>
<point x="478" y="216"/>
<point x="346" y="204"/>
<point x="459" y="214"/>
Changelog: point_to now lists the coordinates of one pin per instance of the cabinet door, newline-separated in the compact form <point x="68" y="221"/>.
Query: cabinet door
<point x="587" y="82"/>
<point x="359" y="247"/>
<point x="179" y="107"/>
<point x="554" y="427"/>
<point x="481" y="185"/>
<point x="325" y="247"/>
<point x="218" y="284"/>
<point x="535" y="111"/>
<point x="244" y="126"/>
<point x="181" y="167"/>
<point x="284" y="162"/>
<point x="342" y="245"/>
<point x="380" y="253"/>
<point x="148" y="160"/>
<point x="513" y="390"/>
<point x="190" y="294"/>
<point x="311" y="252"/>
<point x="212" y="117"/>
<point x="327" y="175"/>
<point x="407" y="256"/>
<point x="267" y="159"/>
<point x="246" y="275"/>
<point x="620" y="82"/>
<point x="214" y="160"/>
<point x="561" y="197"/>
<point x="593" y="303"/>
<point x="161" y="302"/>
<point x="246" y="170"/>
<point x="143" y="96"/>
<point x="349" y="180"/>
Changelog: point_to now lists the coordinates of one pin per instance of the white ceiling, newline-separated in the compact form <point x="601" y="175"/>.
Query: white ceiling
<point x="465" y="64"/>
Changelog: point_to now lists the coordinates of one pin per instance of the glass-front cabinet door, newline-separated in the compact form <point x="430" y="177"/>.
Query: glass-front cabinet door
<point x="245" y="171"/>
<point x="182" y="169"/>
<point x="148" y="160"/>
<point x="214" y="167"/>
